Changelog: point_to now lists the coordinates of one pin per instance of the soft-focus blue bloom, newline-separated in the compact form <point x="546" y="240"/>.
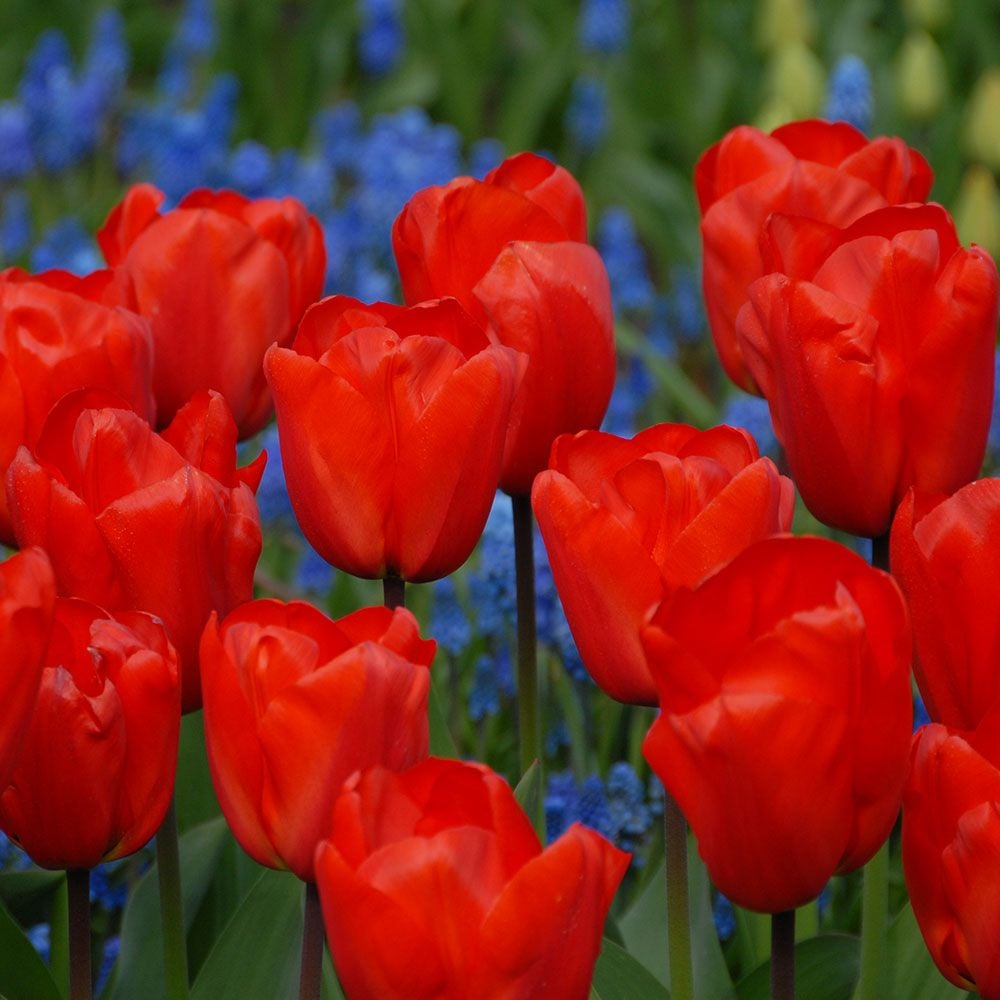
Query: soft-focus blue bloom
<point x="251" y="167"/>
<point x="557" y="739"/>
<point x="272" y="493"/>
<point x="655" y="794"/>
<point x="12" y="858"/>
<point x="561" y="807"/>
<point x="920" y="716"/>
<point x="849" y="97"/>
<point x="863" y="546"/>
<point x="105" y="890"/>
<point x="449" y="623"/>
<point x="112" y="946"/>
<point x="40" y="938"/>
<point x="66" y="245"/>
<point x="685" y="304"/>
<point x="993" y="441"/>
<point x="485" y="692"/>
<point x="752" y="413"/>
<point x="196" y="33"/>
<point x="593" y="806"/>
<point x="724" y="917"/>
<point x="626" y="261"/>
<point x="15" y="225"/>
<point x="308" y="178"/>
<point x="381" y="41"/>
<point x="604" y="25"/>
<point x="631" y="818"/>
<point x="484" y="156"/>
<point x="492" y="584"/>
<point x="106" y="64"/>
<point x="313" y="575"/>
<point x="340" y="132"/>
<point x="586" y="118"/>
<point x="16" y="159"/>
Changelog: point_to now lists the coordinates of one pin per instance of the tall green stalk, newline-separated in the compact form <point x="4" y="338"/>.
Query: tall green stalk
<point x="678" y="912"/>
<point x="168" y="865"/>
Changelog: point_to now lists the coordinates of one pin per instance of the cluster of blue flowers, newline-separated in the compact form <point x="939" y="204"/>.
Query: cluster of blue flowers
<point x="849" y="96"/>
<point x="618" y="809"/>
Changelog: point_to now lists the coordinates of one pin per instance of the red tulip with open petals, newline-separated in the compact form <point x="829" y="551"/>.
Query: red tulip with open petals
<point x="625" y="521"/>
<point x="511" y="248"/>
<point x="27" y="600"/>
<point x="220" y="278"/>
<point x="874" y="347"/>
<point x="132" y="519"/>
<point x="294" y="704"/>
<point x="770" y="675"/>
<point x="392" y="423"/>
<point x="826" y="171"/>
<point x="96" y="773"/>
<point x="434" y="887"/>
<point x="57" y="336"/>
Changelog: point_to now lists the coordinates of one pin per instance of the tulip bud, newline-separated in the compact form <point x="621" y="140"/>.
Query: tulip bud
<point x="921" y="77"/>
<point x="982" y="120"/>
<point x="780" y="22"/>
<point x="797" y="80"/>
<point x="977" y="209"/>
<point x="927" y="14"/>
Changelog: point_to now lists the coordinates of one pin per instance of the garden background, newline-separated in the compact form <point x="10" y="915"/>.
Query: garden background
<point x="352" y="107"/>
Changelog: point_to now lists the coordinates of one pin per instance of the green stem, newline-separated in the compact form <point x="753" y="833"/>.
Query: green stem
<point x="311" y="969"/>
<point x="78" y="888"/>
<point x="874" y="918"/>
<point x="394" y="592"/>
<point x="168" y="865"/>
<point x="678" y="913"/>
<point x="527" y="642"/>
<point x="783" y="955"/>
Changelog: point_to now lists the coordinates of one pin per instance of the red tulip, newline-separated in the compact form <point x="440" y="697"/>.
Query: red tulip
<point x="136" y="520"/>
<point x="944" y="555"/>
<point x="96" y="772"/>
<point x="874" y="348"/>
<point x="824" y="171"/>
<point x="765" y="736"/>
<point x="56" y="336"/>
<point x="951" y="851"/>
<point x="27" y="598"/>
<point x="392" y="425"/>
<point x="220" y="278"/>
<point x="625" y="521"/>
<point x="511" y="249"/>
<point x="434" y="885"/>
<point x="294" y="703"/>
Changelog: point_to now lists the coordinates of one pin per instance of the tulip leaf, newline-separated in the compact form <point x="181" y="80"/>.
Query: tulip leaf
<point x="911" y="968"/>
<point x="644" y="929"/>
<point x="441" y="740"/>
<point x="139" y="969"/>
<point x="620" y="976"/>
<point x="28" y="894"/>
<point x="22" y="972"/>
<point x="826" y="968"/>
<point x="257" y="956"/>
<point x="529" y="797"/>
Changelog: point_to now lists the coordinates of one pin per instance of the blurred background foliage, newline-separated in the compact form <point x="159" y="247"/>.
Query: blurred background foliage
<point x="352" y="107"/>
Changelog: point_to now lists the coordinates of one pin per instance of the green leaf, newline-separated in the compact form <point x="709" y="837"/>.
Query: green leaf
<point x="22" y="972"/>
<point x="257" y="956"/>
<point x="912" y="971"/>
<point x="644" y="928"/>
<point x="28" y="895"/>
<point x="139" y="970"/>
<point x="195" y="796"/>
<point x="528" y="788"/>
<point x="826" y="968"/>
<point x="442" y="742"/>
<point x="620" y="976"/>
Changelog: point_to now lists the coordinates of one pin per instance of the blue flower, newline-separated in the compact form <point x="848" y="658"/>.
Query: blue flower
<point x="484" y="156"/>
<point x="15" y="225"/>
<point x="105" y="66"/>
<point x="561" y="804"/>
<point x="250" y="168"/>
<point x="920" y="716"/>
<point x="484" y="694"/>
<point x="626" y="261"/>
<point x="849" y="98"/>
<point x="381" y="42"/>
<point x="314" y="574"/>
<point x="685" y="305"/>
<point x="112" y="947"/>
<point x="272" y="493"/>
<point x="310" y="179"/>
<point x="66" y="245"/>
<point x="40" y="938"/>
<point x="492" y="584"/>
<point x="105" y="890"/>
<point x="449" y="623"/>
<point x="196" y="33"/>
<point x="752" y="413"/>
<point x="604" y="25"/>
<point x="586" y="118"/>
<point x="594" y="810"/>
<point x="16" y="159"/>
<point x="340" y="132"/>
<point x="724" y="917"/>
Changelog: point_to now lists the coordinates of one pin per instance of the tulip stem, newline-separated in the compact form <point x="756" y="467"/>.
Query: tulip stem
<point x="311" y="969"/>
<point x="168" y="866"/>
<point x="678" y="913"/>
<point x="874" y="918"/>
<point x="78" y="892"/>
<point x="529" y="727"/>
<point x="783" y="955"/>
<point x="394" y="591"/>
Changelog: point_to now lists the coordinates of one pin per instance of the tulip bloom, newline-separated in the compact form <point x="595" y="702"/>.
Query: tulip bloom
<point x="27" y="599"/>
<point x="626" y="520"/>
<point x="294" y="703"/>
<point x="392" y="424"/>
<point x="874" y="348"/>
<point x="434" y="885"/>
<point x="220" y="278"/>
<point x="512" y="250"/>
<point x="944" y="555"/>
<point x="825" y="171"/>
<point x="56" y="336"/>
<point x="136" y="520"/>
<point x="96" y="773"/>
<point x="765" y="736"/>
<point x="951" y="851"/>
